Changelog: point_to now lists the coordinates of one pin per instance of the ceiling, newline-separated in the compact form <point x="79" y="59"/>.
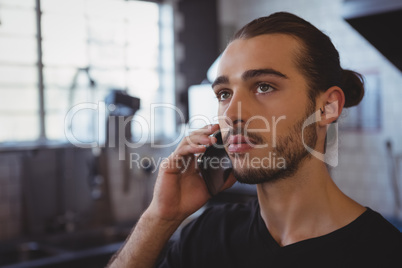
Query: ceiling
<point x="380" y="22"/>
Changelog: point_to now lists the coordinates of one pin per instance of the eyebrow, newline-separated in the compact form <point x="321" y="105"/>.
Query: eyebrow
<point x="248" y="75"/>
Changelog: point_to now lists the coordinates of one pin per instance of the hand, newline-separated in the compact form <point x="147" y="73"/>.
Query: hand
<point x="180" y="190"/>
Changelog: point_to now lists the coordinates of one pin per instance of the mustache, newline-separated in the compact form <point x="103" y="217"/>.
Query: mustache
<point x="256" y="138"/>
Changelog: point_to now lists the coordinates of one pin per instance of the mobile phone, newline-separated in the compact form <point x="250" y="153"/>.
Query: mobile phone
<point x="215" y="165"/>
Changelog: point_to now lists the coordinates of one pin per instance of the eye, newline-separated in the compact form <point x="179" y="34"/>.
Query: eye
<point x="264" y="88"/>
<point x="223" y="95"/>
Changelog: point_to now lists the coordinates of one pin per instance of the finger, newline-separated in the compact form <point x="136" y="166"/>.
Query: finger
<point x="202" y="136"/>
<point x="176" y="163"/>
<point x="190" y="149"/>
<point x="195" y="143"/>
<point x="206" y="130"/>
<point x="200" y="139"/>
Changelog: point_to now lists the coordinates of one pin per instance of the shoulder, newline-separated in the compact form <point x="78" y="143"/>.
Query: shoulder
<point x="208" y="241"/>
<point x="375" y="226"/>
<point x="377" y="239"/>
<point x="229" y="210"/>
<point x="223" y="218"/>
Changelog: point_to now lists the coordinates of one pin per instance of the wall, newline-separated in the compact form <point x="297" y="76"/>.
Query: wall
<point x="363" y="171"/>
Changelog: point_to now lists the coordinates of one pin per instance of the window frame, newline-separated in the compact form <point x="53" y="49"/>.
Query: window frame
<point x="42" y="138"/>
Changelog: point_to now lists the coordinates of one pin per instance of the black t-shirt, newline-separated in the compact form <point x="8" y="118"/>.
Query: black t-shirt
<point x="234" y="235"/>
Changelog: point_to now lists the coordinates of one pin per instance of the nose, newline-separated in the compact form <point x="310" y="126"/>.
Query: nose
<point x="237" y="111"/>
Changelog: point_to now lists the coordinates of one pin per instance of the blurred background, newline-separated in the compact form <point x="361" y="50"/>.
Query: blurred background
<point x="70" y="70"/>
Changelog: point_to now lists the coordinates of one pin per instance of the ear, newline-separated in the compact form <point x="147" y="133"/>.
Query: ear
<point x="331" y="103"/>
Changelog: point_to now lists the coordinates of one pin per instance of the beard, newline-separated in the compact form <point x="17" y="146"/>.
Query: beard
<point x="289" y="148"/>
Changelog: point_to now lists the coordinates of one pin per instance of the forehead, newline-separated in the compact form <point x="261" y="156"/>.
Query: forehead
<point x="276" y="51"/>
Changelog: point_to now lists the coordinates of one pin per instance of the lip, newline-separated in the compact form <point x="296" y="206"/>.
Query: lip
<point x="239" y="144"/>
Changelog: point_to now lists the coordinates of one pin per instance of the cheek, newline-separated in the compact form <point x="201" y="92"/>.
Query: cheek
<point x="222" y="119"/>
<point x="224" y="126"/>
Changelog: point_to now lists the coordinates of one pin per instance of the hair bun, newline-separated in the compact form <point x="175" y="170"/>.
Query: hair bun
<point x="353" y="87"/>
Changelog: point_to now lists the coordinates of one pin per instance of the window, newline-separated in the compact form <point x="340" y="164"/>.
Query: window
<point x="19" y="101"/>
<point x="89" y="47"/>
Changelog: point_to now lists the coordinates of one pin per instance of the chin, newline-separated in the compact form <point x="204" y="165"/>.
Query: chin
<point x="267" y="169"/>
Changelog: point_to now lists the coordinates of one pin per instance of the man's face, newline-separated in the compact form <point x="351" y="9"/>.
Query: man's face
<point x="263" y="102"/>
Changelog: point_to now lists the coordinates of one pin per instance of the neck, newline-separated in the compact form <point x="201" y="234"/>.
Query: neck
<point x="306" y="205"/>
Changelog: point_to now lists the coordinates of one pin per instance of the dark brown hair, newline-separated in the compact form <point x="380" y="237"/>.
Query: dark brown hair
<point x="318" y="60"/>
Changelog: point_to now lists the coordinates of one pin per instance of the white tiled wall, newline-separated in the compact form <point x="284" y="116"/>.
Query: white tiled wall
<point x="362" y="172"/>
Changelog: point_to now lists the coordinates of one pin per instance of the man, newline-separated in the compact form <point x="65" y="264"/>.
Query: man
<point x="275" y="67"/>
